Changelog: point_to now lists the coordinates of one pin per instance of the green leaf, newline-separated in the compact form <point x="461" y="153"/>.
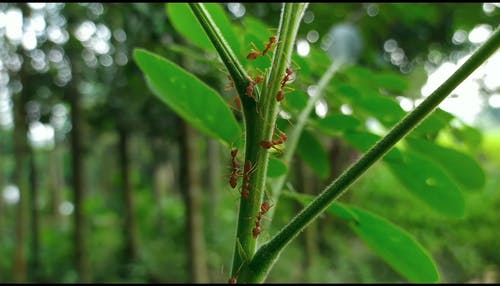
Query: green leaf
<point x="184" y="21"/>
<point x="343" y="211"/>
<point x="313" y="153"/>
<point x="461" y="167"/>
<point x="420" y="175"/>
<point x="381" y="107"/>
<point x="359" y="76"/>
<point x="428" y="182"/>
<point x="435" y="122"/>
<point x="296" y="100"/>
<point x="317" y="63"/>
<point x="466" y="134"/>
<point x="276" y="168"/>
<point x="335" y="123"/>
<point x="190" y="98"/>
<point x="349" y="92"/>
<point x="397" y="247"/>
<point x="391" y="81"/>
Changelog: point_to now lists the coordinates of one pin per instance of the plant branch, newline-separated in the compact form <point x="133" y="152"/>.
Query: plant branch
<point x="259" y="116"/>
<point x="267" y="255"/>
<point x="235" y="68"/>
<point x="261" y="127"/>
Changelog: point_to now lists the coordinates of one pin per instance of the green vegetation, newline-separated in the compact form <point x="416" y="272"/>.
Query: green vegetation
<point x="247" y="142"/>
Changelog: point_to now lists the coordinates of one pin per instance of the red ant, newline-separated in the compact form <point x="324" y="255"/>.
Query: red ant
<point x="237" y="101"/>
<point x="234" y="169"/>
<point x="281" y="94"/>
<point x="264" y="208"/>
<point x="230" y="86"/>
<point x="248" y="169"/>
<point x="269" y="46"/>
<point x="286" y="78"/>
<point x="268" y="144"/>
<point x="258" y="79"/>
<point x="256" y="53"/>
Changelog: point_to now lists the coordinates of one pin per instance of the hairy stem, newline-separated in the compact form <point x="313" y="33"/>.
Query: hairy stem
<point x="259" y="116"/>
<point x="261" y="127"/>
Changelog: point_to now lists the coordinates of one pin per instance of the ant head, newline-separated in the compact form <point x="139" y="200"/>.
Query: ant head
<point x="272" y="39"/>
<point x="248" y="166"/>
<point x="265" y="144"/>
<point x="265" y="206"/>
<point x="259" y="79"/>
<point x="234" y="152"/>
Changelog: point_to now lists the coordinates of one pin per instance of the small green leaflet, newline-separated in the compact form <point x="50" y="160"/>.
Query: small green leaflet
<point x="189" y="97"/>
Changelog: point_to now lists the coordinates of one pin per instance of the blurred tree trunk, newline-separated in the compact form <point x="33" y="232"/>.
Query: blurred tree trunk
<point x="129" y="226"/>
<point x="21" y="154"/>
<point x="163" y="180"/>
<point x="78" y="183"/>
<point x="162" y="170"/>
<point x="213" y="184"/>
<point x="308" y="184"/>
<point x="190" y="188"/>
<point x="341" y="157"/>
<point x="56" y="178"/>
<point x="35" y="222"/>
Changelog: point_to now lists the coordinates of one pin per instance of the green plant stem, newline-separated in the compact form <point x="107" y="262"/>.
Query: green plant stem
<point x="235" y="68"/>
<point x="261" y="127"/>
<point x="259" y="116"/>
<point x="267" y="255"/>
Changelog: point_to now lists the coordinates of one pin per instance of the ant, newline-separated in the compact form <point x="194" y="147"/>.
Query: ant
<point x="286" y="78"/>
<point x="247" y="170"/>
<point x="281" y="93"/>
<point x="269" y="45"/>
<point x="258" y="79"/>
<point x="264" y="208"/>
<point x="255" y="53"/>
<point x="268" y="144"/>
